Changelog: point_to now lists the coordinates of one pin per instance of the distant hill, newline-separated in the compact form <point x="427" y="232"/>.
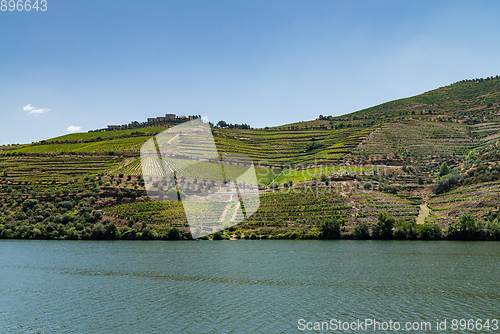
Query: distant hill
<point x="450" y="120"/>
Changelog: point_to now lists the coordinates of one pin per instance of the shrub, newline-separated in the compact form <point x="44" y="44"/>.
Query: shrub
<point x="217" y="236"/>
<point x="126" y="232"/>
<point x="471" y="156"/>
<point x="429" y="231"/>
<point x="390" y="189"/>
<point x="37" y="234"/>
<point x="446" y="184"/>
<point x="314" y="145"/>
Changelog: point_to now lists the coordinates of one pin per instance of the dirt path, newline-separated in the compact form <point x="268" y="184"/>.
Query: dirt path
<point x="226" y="209"/>
<point x="354" y="210"/>
<point x="176" y="136"/>
<point x="233" y="217"/>
<point x="125" y="163"/>
<point x="276" y="177"/>
<point x="424" y="212"/>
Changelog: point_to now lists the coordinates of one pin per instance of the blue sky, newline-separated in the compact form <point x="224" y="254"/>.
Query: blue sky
<point x="85" y="63"/>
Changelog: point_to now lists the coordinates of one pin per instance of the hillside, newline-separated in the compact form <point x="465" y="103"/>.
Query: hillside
<point x="349" y="168"/>
<point x="449" y="120"/>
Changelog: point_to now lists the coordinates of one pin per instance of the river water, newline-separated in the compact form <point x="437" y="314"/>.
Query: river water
<point x="245" y="286"/>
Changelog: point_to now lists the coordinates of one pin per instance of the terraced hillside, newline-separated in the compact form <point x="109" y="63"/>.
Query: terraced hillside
<point x="440" y="148"/>
<point x="160" y="213"/>
<point x="365" y="206"/>
<point x="118" y="142"/>
<point x="418" y="139"/>
<point x="486" y="131"/>
<point x="285" y="147"/>
<point x="60" y="168"/>
<point x="478" y="199"/>
<point x="296" y="210"/>
<point x="471" y="101"/>
<point x="298" y="207"/>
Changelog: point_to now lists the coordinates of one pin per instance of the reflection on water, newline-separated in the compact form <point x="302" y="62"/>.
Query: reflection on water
<point x="240" y="286"/>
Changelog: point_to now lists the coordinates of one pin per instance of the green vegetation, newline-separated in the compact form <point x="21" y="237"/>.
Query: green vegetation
<point x="330" y="228"/>
<point x="290" y="145"/>
<point x="357" y="176"/>
<point x="386" y="224"/>
<point x="264" y="175"/>
<point x="290" y="176"/>
<point x="444" y="169"/>
<point x="123" y="146"/>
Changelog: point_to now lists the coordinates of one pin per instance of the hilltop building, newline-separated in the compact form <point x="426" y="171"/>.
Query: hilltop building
<point x="171" y="118"/>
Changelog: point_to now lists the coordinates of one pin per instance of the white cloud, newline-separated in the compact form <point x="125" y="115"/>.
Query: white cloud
<point x="34" y="110"/>
<point x="39" y="110"/>
<point x="28" y="107"/>
<point x="73" y="128"/>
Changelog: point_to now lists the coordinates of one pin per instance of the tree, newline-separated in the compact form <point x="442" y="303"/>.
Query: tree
<point x="29" y="204"/>
<point x="111" y="231"/>
<point x="217" y="236"/>
<point x="444" y="169"/>
<point x="361" y="232"/>
<point x="375" y="231"/>
<point x="97" y="215"/>
<point x="330" y="228"/>
<point x="119" y="195"/>
<point x="493" y="229"/>
<point x="98" y="231"/>
<point x="174" y="234"/>
<point x="222" y="124"/>
<point x="386" y="224"/>
<point x="404" y="230"/>
<point x="466" y="226"/>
